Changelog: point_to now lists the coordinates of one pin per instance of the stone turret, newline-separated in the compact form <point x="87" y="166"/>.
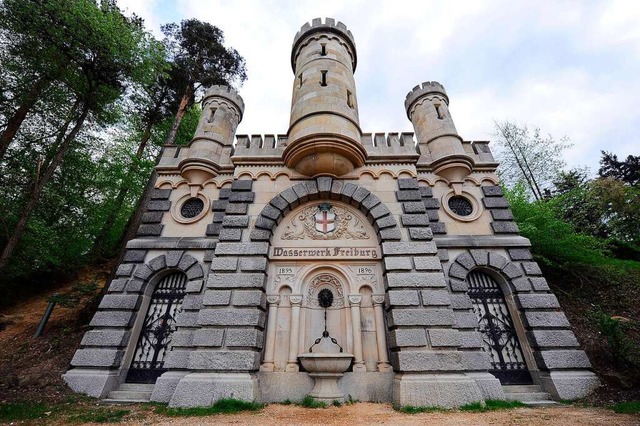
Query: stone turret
<point x="427" y="107"/>
<point x="324" y="131"/>
<point x="211" y="147"/>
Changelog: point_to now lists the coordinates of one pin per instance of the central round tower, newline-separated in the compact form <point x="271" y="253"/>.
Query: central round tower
<point x="324" y="130"/>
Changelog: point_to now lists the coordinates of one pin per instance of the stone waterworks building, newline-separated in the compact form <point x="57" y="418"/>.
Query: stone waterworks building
<point x="395" y="252"/>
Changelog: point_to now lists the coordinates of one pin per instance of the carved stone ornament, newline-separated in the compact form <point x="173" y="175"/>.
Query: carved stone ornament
<point x="325" y="222"/>
<point x="321" y="282"/>
<point x="355" y="299"/>
<point x="378" y="299"/>
<point x="272" y="300"/>
<point x="295" y="299"/>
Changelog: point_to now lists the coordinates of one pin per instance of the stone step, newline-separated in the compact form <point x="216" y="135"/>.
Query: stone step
<point x="521" y="388"/>
<point x="129" y="395"/>
<point x="528" y="396"/>
<point x="543" y="404"/>
<point x="138" y="387"/>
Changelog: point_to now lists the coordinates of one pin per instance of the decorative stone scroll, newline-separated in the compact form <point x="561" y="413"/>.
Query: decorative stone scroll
<point x="329" y="282"/>
<point x="325" y="222"/>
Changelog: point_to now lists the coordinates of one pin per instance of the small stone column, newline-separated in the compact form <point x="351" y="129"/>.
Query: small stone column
<point x="383" y="359"/>
<point x="292" y="362"/>
<point x="358" y="361"/>
<point x="272" y="324"/>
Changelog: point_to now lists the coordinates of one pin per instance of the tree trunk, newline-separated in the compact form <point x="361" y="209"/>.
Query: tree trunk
<point x="39" y="184"/>
<point x="510" y="144"/>
<point x="179" y="115"/>
<point x="15" y="121"/>
<point x="101" y="239"/>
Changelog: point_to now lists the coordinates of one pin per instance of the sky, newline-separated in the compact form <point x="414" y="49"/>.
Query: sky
<point x="571" y="68"/>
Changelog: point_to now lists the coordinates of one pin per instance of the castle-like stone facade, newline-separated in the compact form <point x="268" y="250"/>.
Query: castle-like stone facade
<point x="400" y="246"/>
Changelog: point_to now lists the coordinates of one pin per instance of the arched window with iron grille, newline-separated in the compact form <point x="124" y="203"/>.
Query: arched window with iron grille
<point x="159" y="323"/>
<point x="499" y="336"/>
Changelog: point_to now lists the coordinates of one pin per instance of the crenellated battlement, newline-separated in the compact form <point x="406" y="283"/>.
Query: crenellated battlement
<point x="329" y="25"/>
<point x="225" y="92"/>
<point x="427" y="88"/>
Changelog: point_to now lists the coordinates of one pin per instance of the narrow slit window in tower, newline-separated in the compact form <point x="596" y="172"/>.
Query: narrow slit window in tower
<point x="323" y="82"/>
<point x="349" y="99"/>
<point x="323" y="49"/>
<point x="438" y="110"/>
<point x="212" y="115"/>
<point x="300" y="80"/>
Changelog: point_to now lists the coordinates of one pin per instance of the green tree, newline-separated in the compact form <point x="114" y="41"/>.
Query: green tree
<point x="115" y="51"/>
<point x="627" y="171"/>
<point x="197" y="53"/>
<point x="527" y="157"/>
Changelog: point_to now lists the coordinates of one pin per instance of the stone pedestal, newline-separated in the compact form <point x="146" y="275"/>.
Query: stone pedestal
<point x="326" y="387"/>
<point x="435" y="390"/>
<point x="204" y="389"/>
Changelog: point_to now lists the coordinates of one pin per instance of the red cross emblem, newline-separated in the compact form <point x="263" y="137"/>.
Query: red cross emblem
<point x="325" y="219"/>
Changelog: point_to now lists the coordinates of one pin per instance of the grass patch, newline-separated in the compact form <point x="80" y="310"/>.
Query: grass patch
<point x="22" y="411"/>
<point x="336" y="403"/>
<point x="309" y="402"/>
<point x="410" y="409"/>
<point x="491" y="405"/>
<point x="222" y="406"/>
<point x="630" y="407"/>
<point x="99" y="415"/>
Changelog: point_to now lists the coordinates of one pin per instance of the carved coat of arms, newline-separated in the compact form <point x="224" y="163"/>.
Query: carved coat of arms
<point x="325" y="219"/>
<point x="325" y="222"/>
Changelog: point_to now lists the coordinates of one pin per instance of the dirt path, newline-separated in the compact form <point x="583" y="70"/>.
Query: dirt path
<point x="367" y="413"/>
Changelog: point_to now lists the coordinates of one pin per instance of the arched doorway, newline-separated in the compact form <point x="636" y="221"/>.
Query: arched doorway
<point x="499" y="336"/>
<point x="159" y="323"/>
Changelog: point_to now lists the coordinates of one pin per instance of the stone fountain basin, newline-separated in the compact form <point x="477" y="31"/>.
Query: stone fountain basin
<point x="336" y="363"/>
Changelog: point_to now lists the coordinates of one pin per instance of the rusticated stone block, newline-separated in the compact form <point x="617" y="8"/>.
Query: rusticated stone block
<point x="208" y="337"/>
<point x="520" y="254"/>
<point x="312" y="189"/>
<point x="270" y="212"/>
<point x="106" y="337"/>
<point x="280" y="203"/>
<point x="552" y="338"/>
<point x="173" y="258"/>
<point x="125" y="270"/>
<point x="435" y="297"/>
<point x="224" y="264"/>
<point x="242" y="185"/>
<point x="235" y="222"/>
<point x="119" y="301"/>
<point x="421" y="317"/>
<point x="408" y="183"/>
<point x="242" y="249"/>
<point x="408" y="337"/>
<point x="117" y="285"/>
<point x="512" y="271"/>
<point x="444" y="338"/>
<point x="231" y="317"/>
<point x="160" y="194"/>
<point x="324" y="184"/>
<point x="492" y="191"/>
<point x="148" y="229"/>
<point x="152" y="217"/>
<point x="414" y="220"/>
<point x="390" y="234"/>
<point x="224" y="193"/>
<point x="505" y="227"/>
<point x="431" y="203"/>
<point x="253" y="264"/>
<point x="97" y="358"/>
<point x="265" y="223"/>
<point x="158" y="263"/>
<point x="237" y="208"/>
<point x="397" y="264"/>
<point x="112" y="319"/>
<point x="291" y="197"/>
<point x="135" y="256"/>
<point x="224" y="361"/>
<point x="420" y="234"/>
<point x="531" y="268"/>
<point x="417" y="361"/>
<point x="243" y="338"/>
<point x="336" y="189"/>
<point x="408" y="195"/>
<point x="409" y="248"/>
<point x="427" y="263"/>
<point x="426" y="192"/>
<point x="416" y="279"/>
<point x="301" y="192"/>
<point x="241" y="280"/>
<point x="378" y="211"/>
<point x="159" y="205"/>
<point x="241" y="197"/>
<point x="219" y="205"/>
<point x="438" y="228"/>
<point x="465" y="319"/>
<point x="194" y="286"/>
<point x="458" y="271"/>
<point x="537" y="301"/>
<point x="384" y="222"/>
<point x="370" y="202"/>
<point x="562" y="359"/>
<point x="249" y="298"/>
<point x="413" y="207"/>
<point x="260" y="235"/>
<point x="403" y="298"/>
<point x="501" y="214"/>
<point x="539" y="284"/>
<point x="460" y="301"/>
<point x="233" y="234"/>
<point x="546" y="319"/>
<point x="495" y="203"/>
<point x="217" y="298"/>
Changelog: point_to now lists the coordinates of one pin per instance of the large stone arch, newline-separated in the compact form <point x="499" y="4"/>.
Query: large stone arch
<point x="327" y="188"/>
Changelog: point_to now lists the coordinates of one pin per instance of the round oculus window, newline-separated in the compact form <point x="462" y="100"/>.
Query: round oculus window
<point x="192" y="208"/>
<point x="460" y="205"/>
